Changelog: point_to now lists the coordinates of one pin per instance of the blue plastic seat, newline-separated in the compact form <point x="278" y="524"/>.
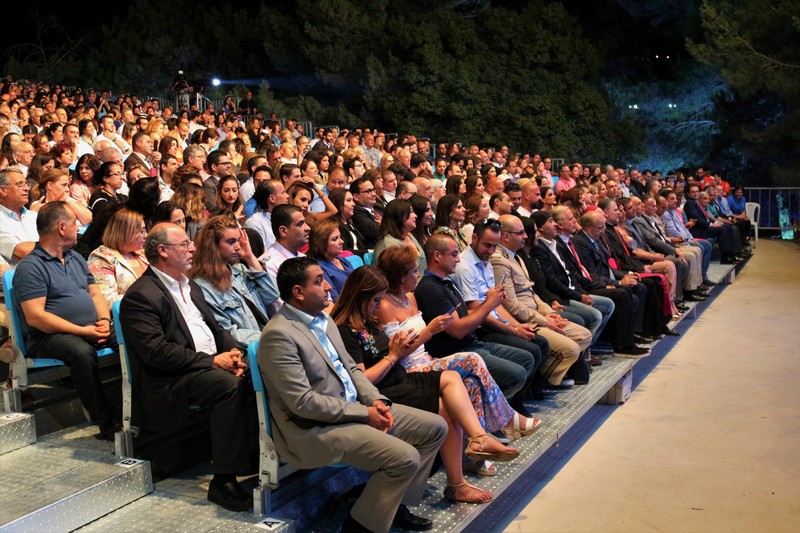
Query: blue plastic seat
<point x="22" y="362"/>
<point x="355" y="261"/>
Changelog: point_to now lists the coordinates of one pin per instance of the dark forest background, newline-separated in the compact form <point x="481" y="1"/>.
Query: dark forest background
<point x="660" y="84"/>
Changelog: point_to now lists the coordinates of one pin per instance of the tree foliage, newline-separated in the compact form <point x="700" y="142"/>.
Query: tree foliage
<point x="467" y="70"/>
<point x="754" y="46"/>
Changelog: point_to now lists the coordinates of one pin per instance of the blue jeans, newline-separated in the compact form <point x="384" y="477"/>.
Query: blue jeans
<point x="593" y="317"/>
<point x="510" y="367"/>
<point x="706" y="247"/>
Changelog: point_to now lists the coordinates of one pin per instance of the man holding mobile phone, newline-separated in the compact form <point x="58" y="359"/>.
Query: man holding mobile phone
<point x="436" y="293"/>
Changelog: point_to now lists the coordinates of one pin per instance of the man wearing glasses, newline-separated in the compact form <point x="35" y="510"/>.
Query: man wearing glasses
<point x="18" y="233"/>
<point x="366" y="220"/>
<point x="219" y="165"/>
<point x="179" y="355"/>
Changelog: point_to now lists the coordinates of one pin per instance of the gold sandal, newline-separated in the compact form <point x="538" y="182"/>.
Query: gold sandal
<point x="453" y="493"/>
<point x="479" y="454"/>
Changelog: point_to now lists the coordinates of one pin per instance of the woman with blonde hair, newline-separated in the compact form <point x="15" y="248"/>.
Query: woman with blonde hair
<point x="192" y="199"/>
<point x="120" y="261"/>
<point x="157" y="129"/>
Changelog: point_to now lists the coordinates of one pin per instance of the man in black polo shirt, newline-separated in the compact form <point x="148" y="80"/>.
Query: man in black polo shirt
<point x="65" y="314"/>
<point x="437" y="295"/>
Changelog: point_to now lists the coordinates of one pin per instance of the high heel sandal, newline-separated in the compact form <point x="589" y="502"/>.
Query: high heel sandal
<point x="514" y="430"/>
<point x="479" y="454"/>
<point x="453" y="493"/>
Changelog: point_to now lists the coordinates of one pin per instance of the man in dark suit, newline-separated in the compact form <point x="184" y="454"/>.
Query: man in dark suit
<point x="326" y="411"/>
<point x="365" y="218"/>
<point x="704" y="227"/>
<point x="572" y="281"/>
<point x="143" y="153"/>
<point x="179" y="355"/>
<point x="595" y="255"/>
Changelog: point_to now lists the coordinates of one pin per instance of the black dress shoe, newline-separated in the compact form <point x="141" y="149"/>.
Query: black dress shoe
<point x="107" y="431"/>
<point x="595" y="361"/>
<point x="671" y="332"/>
<point x="709" y="283"/>
<point x="682" y="307"/>
<point x="351" y="525"/>
<point x="405" y="520"/>
<point x="693" y="297"/>
<point x="230" y="496"/>
<point x="641" y="339"/>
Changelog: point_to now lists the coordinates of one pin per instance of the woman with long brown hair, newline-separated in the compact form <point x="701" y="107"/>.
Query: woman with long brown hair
<point x="235" y="285"/>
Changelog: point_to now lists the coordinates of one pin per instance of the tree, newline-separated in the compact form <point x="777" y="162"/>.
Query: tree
<point x="753" y="44"/>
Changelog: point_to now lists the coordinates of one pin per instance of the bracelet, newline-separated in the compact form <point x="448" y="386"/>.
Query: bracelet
<point x="104" y="318"/>
<point x="390" y="361"/>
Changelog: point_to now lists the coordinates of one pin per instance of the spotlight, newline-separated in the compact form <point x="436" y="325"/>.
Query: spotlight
<point x="215" y="82"/>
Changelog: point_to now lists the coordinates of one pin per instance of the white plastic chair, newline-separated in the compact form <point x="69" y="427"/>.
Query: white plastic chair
<point x="753" y="210"/>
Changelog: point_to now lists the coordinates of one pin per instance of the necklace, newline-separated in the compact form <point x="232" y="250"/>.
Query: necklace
<point x="406" y="304"/>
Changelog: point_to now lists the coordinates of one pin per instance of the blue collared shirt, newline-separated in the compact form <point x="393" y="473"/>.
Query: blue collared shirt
<point x="319" y="326"/>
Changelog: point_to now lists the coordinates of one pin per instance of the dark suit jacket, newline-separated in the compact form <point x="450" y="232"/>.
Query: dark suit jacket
<point x="595" y="261"/>
<point x="558" y="280"/>
<point x="626" y="262"/>
<point x="366" y="223"/>
<point x="133" y="159"/>
<point x="210" y="188"/>
<point x="161" y="351"/>
<point x="355" y="245"/>
<point x="652" y="237"/>
<point x="694" y="211"/>
<point x="588" y="285"/>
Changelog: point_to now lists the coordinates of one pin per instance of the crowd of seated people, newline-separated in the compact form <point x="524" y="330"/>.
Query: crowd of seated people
<point x="493" y="277"/>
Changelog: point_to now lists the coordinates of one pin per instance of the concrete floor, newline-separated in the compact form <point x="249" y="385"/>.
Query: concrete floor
<point x="710" y="441"/>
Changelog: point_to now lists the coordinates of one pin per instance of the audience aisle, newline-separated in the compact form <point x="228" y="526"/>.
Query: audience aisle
<point x="710" y="441"/>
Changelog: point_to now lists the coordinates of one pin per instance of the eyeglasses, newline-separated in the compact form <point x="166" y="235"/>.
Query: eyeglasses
<point x="225" y="163"/>
<point x="183" y="245"/>
<point x="366" y="191"/>
<point x="520" y="232"/>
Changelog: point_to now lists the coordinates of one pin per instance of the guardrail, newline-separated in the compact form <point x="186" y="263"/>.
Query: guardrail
<point x="780" y="206"/>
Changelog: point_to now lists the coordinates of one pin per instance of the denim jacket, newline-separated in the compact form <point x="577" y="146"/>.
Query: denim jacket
<point x="229" y="307"/>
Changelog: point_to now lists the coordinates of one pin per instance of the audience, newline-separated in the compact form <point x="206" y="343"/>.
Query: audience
<point x="565" y="282"/>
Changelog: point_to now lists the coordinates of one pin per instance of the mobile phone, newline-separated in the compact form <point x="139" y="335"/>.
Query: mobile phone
<point x="450" y="312"/>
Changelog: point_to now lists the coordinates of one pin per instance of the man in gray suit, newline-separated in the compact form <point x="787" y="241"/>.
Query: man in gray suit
<point x="325" y="411"/>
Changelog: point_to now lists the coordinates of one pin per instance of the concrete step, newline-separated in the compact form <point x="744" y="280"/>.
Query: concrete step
<point x="16" y="431"/>
<point x="67" y="481"/>
<point x="165" y="511"/>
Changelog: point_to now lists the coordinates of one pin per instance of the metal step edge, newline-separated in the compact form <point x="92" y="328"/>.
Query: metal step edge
<point x="133" y="481"/>
<point x="165" y="511"/>
<point x="533" y="448"/>
<point x="17" y="430"/>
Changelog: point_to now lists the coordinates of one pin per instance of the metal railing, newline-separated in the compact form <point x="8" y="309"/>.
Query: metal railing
<point x="780" y="206"/>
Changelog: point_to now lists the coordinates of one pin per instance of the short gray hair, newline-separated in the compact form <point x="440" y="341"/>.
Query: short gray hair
<point x="156" y="237"/>
<point x="6" y="171"/>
